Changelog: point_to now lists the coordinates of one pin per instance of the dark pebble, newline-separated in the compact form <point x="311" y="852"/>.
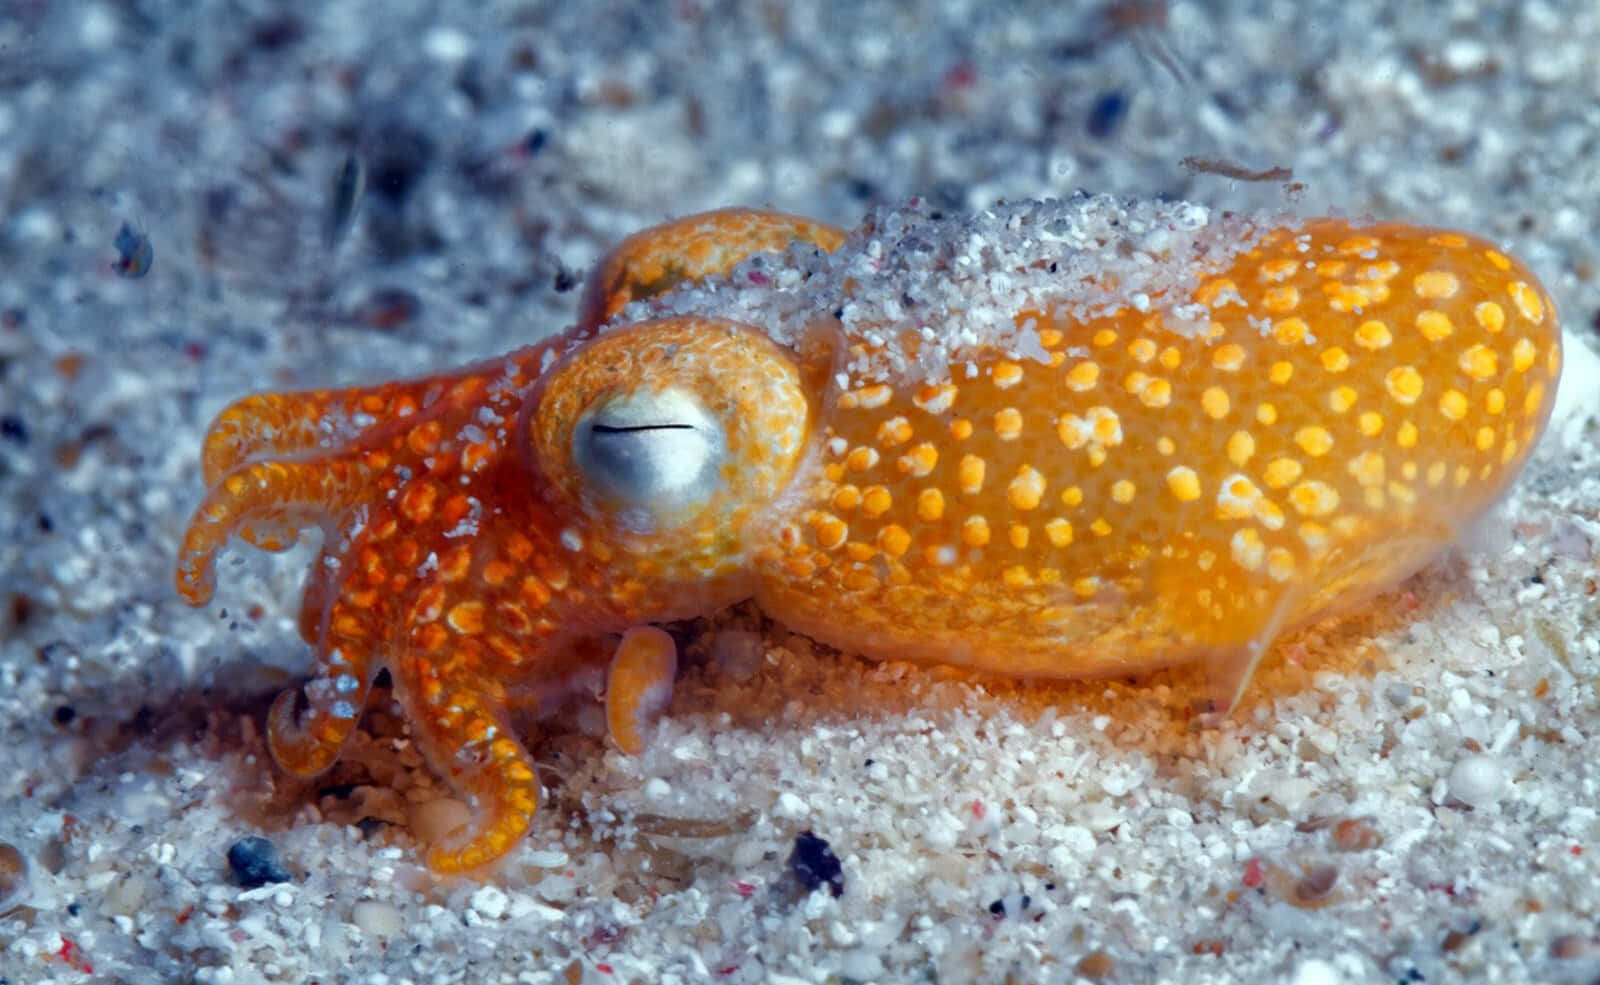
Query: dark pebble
<point x="13" y="429"/>
<point x="998" y="907"/>
<point x="254" y="863"/>
<point x="396" y="160"/>
<point x="1107" y="113"/>
<point x="388" y="308"/>
<point x="277" y="32"/>
<point x="815" y="865"/>
<point x="13" y="872"/>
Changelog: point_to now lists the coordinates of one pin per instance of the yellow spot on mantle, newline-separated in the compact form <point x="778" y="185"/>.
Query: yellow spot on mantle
<point x="1184" y="483"/>
<point x="1404" y="384"/>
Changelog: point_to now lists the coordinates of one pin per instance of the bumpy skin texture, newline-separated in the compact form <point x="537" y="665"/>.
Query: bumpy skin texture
<point x="502" y="534"/>
<point x="1360" y="395"/>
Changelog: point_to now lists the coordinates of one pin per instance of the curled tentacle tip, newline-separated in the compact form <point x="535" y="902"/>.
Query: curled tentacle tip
<point x="196" y="577"/>
<point x="294" y="746"/>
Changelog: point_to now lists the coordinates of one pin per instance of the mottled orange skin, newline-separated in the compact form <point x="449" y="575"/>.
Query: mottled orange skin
<point x="1167" y="497"/>
<point x="1140" y="497"/>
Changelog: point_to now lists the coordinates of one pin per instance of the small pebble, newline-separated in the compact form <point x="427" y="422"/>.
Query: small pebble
<point x="1478" y="781"/>
<point x="1013" y="904"/>
<point x="490" y="902"/>
<point x="551" y="859"/>
<point x="344" y="200"/>
<point x="791" y="807"/>
<point x="254" y="862"/>
<point x="396" y="160"/>
<point x="1454" y="941"/>
<point x="387" y="308"/>
<point x="13" y="874"/>
<point x="378" y="919"/>
<point x="1095" y="965"/>
<point x="1107" y="112"/>
<point x="860" y="966"/>
<point x="1314" y="887"/>
<point x="126" y="896"/>
<point x="814" y="864"/>
<point x="277" y="32"/>
<point x="1575" y="947"/>
<point x="1315" y="971"/>
<point x="135" y="253"/>
<point x="433" y="820"/>
<point x="1355" y="834"/>
<point x="446" y="44"/>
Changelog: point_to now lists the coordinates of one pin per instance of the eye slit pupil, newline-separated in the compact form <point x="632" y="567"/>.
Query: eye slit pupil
<point x="651" y="452"/>
<point x="615" y="429"/>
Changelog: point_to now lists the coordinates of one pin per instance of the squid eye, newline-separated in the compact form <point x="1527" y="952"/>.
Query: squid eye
<point x="654" y="450"/>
